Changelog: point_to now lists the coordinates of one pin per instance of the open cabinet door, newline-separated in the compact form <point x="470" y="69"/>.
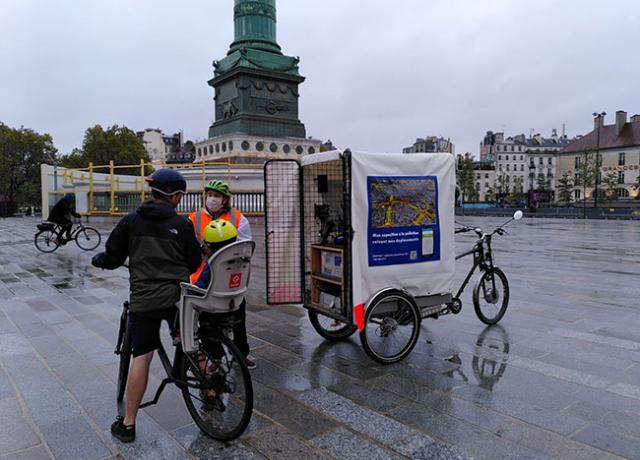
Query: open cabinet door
<point x="283" y="231"/>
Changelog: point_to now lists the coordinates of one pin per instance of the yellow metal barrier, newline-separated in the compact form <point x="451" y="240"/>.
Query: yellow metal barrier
<point x="110" y="193"/>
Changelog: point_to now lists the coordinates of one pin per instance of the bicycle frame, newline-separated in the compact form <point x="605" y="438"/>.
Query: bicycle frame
<point x="481" y="259"/>
<point x="170" y="368"/>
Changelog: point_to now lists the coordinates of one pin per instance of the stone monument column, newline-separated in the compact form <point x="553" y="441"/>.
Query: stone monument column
<point x="255" y="25"/>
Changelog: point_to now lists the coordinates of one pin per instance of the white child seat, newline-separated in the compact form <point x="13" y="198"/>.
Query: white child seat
<point x="230" y="271"/>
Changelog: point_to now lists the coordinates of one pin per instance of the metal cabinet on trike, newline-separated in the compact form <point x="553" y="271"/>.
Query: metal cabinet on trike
<point x="365" y="242"/>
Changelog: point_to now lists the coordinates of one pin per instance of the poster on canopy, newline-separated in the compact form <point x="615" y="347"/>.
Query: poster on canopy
<point x="402" y="215"/>
<point x="403" y="219"/>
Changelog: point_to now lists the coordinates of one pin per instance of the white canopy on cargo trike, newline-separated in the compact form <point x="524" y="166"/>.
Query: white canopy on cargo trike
<point x="401" y="211"/>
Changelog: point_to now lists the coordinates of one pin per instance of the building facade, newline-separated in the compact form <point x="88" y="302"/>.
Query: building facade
<point x="431" y="144"/>
<point x="618" y="147"/>
<point x="524" y="164"/>
<point x="158" y="145"/>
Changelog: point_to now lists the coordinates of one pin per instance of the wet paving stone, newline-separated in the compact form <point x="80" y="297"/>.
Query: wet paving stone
<point x="344" y="444"/>
<point x="559" y="377"/>
<point x="277" y="442"/>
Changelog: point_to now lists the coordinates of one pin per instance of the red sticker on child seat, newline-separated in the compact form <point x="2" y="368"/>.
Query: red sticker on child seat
<point x="235" y="280"/>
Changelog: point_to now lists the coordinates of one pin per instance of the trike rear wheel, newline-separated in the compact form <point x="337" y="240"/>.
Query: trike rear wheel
<point x="217" y="389"/>
<point x="329" y="328"/>
<point x="392" y="326"/>
<point x="491" y="296"/>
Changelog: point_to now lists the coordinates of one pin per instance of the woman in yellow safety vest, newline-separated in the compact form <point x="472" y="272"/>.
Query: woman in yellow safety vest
<point x="217" y="205"/>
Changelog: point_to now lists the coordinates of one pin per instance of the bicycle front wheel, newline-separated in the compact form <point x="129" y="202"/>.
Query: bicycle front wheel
<point x="46" y="241"/>
<point x="491" y="296"/>
<point x="88" y="238"/>
<point x="217" y="389"/>
<point x="392" y="326"/>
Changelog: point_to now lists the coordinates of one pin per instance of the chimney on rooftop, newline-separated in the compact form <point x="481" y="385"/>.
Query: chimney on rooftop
<point x="635" y="118"/>
<point x="598" y="122"/>
<point x="621" y="120"/>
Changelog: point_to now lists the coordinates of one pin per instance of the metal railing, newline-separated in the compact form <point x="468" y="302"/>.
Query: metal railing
<point x="109" y="193"/>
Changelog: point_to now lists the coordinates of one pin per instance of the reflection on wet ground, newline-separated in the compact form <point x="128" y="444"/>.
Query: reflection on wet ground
<point x="557" y="378"/>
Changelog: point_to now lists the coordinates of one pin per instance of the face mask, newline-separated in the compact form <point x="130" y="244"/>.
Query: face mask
<point x="213" y="203"/>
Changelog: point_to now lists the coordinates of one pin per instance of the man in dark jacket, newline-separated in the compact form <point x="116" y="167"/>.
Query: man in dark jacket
<point x="162" y="251"/>
<point x="61" y="215"/>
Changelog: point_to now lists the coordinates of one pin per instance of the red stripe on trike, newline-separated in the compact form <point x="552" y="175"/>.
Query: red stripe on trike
<point x="358" y="315"/>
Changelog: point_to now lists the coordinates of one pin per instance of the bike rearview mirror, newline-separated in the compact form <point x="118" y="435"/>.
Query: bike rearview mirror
<point x="517" y="215"/>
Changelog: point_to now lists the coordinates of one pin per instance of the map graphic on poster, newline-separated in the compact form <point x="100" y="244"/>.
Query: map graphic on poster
<point x="403" y="219"/>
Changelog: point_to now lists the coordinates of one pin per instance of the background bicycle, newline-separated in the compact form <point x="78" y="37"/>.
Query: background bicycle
<point x="50" y="237"/>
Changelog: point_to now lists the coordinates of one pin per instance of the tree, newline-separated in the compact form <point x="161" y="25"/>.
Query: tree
<point x="466" y="177"/>
<point x="610" y="182"/>
<point x="586" y="172"/>
<point x="542" y="184"/>
<point x="100" y="146"/>
<point x="21" y="153"/>
<point x="490" y="195"/>
<point x="565" y="189"/>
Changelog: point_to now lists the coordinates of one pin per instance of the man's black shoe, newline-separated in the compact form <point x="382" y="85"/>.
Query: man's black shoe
<point x="122" y="432"/>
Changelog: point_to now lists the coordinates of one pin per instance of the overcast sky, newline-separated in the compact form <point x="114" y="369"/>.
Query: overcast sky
<point x="379" y="72"/>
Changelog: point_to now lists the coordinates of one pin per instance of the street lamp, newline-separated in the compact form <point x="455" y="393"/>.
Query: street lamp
<point x="600" y="117"/>
<point x="532" y="171"/>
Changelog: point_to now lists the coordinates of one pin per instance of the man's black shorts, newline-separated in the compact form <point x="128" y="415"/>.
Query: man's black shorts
<point x="145" y="329"/>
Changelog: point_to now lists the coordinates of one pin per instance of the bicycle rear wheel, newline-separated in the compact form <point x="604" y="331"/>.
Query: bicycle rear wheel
<point x="392" y="326"/>
<point x="46" y="241"/>
<point x="491" y="296"/>
<point x="87" y="238"/>
<point x="217" y="389"/>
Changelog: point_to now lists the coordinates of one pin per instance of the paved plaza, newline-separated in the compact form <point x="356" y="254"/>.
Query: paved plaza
<point x="559" y="377"/>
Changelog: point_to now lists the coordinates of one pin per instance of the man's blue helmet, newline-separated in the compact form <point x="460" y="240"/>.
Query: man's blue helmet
<point x="70" y="196"/>
<point x="167" y="181"/>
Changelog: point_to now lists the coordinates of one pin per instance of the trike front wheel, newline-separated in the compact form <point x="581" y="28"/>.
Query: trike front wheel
<point x="392" y="326"/>
<point x="329" y="328"/>
<point x="491" y="296"/>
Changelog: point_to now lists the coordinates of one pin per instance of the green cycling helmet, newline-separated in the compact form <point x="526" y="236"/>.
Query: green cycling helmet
<point x="219" y="186"/>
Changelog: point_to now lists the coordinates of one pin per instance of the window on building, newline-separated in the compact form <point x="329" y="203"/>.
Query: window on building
<point x="622" y="193"/>
<point x="507" y="167"/>
<point x="520" y="150"/>
<point x="486" y="185"/>
<point x="486" y="175"/>
<point x="506" y="157"/>
<point x="477" y="175"/>
<point x="577" y="162"/>
<point x="550" y="160"/>
<point x="620" y="177"/>
<point x="499" y="157"/>
<point x="577" y="194"/>
<point x="512" y="147"/>
<point x="621" y="159"/>
<point x="541" y="160"/>
<point x="500" y="167"/>
<point x="521" y="157"/>
<point x="521" y="167"/>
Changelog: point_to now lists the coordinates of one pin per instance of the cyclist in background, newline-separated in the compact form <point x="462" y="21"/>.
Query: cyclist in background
<point x="162" y="251"/>
<point x="61" y="215"/>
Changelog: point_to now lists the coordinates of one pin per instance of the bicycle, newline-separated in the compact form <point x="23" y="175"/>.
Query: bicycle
<point x="491" y="292"/>
<point x="51" y="237"/>
<point x="393" y="317"/>
<point x="214" y="381"/>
